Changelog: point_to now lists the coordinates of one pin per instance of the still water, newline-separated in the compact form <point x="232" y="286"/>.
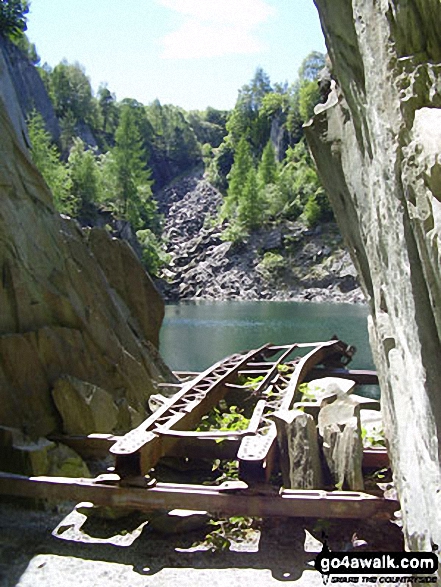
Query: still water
<point x="197" y="334"/>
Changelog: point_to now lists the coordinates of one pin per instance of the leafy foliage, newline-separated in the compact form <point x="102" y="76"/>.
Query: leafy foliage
<point x="153" y="255"/>
<point x="227" y="531"/>
<point x="231" y="419"/>
<point x="46" y="157"/>
<point x="13" y="16"/>
<point x="84" y="174"/>
<point x="271" y="263"/>
<point x="264" y="132"/>
<point x="70" y="91"/>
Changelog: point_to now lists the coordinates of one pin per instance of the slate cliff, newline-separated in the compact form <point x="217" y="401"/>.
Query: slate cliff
<point x="79" y="317"/>
<point x="377" y="142"/>
<point x="23" y="89"/>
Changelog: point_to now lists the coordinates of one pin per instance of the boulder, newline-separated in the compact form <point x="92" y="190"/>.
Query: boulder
<point x="84" y="408"/>
<point x="20" y="454"/>
<point x="376" y="143"/>
<point x="324" y="387"/>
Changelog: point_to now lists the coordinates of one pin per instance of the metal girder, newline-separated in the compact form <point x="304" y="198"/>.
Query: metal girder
<point x="139" y="450"/>
<point x="221" y="501"/>
<point x="257" y="453"/>
<point x="199" y="447"/>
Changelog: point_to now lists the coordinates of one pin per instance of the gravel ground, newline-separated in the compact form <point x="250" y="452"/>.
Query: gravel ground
<point x="32" y="556"/>
<point x="42" y="548"/>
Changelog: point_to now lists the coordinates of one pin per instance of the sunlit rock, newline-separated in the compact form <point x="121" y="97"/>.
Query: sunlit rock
<point x="72" y="303"/>
<point x="376" y="143"/>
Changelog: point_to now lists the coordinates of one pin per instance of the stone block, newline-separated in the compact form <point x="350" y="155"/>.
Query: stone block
<point x="24" y="456"/>
<point x="299" y="450"/>
<point x="339" y="427"/>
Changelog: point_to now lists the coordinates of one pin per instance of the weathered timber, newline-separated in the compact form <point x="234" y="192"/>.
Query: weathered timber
<point x="245" y="502"/>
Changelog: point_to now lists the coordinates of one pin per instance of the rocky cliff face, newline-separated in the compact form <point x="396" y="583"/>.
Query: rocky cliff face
<point x="79" y="317"/>
<point x="23" y="89"/>
<point x="377" y="143"/>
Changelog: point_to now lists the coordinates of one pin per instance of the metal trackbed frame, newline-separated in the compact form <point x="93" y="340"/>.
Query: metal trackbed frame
<point x="170" y="431"/>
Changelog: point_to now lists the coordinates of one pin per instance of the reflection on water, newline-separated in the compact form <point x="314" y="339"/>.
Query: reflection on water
<point x="196" y="335"/>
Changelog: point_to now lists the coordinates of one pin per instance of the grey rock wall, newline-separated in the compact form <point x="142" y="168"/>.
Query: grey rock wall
<point x="28" y="92"/>
<point x="74" y="305"/>
<point x="377" y="144"/>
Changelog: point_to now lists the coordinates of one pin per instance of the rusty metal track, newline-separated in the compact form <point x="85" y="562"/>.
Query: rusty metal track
<point x="139" y="450"/>
<point x="257" y="453"/>
<point x="171" y="431"/>
<point x="217" y="500"/>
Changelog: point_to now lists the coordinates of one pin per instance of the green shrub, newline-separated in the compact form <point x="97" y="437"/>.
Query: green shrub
<point x="271" y="263"/>
<point x="312" y="212"/>
<point x="153" y="255"/>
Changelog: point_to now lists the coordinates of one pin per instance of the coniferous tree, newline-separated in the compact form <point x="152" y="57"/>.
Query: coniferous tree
<point x="132" y="177"/>
<point x="237" y="178"/>
<point x="46" y="158"/>
<point x="109" y="110"/>
<point x="267" y="170"/>
<point x="250" y="209"/>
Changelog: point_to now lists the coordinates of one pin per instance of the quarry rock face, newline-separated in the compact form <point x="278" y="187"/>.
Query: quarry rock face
<point x="73" y="304"/>
<point x="377" y="144"/>
<point x="23" y="90"/>
<point x="299" y="449"/>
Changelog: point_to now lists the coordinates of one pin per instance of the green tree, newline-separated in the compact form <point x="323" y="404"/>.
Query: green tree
<point x="267" y="171"/>
<point x="108" y="108"/>
<point x="84" y="174"/>
<point x="312" y="65"/>
<point x="13" y="17"/>
<point x="55" y="173"/>
<point x="309" y="97"/>
<point x="71" y="92"/>
<point x="308" y="90"/>
<point x="153" y="255"/>
<point x="245" y="119"/>
<point x="250" y="212"/>
<point x="243" y="162"/>
<point x="132" y="177"/>
<point x="174" y="134"/>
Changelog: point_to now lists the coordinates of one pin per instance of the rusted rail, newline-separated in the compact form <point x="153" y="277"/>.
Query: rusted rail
<point x="257" y="453"/>
<point x="139" y="450"/>
<point x="217" y="500"/>
<point x="171" y="431"/>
